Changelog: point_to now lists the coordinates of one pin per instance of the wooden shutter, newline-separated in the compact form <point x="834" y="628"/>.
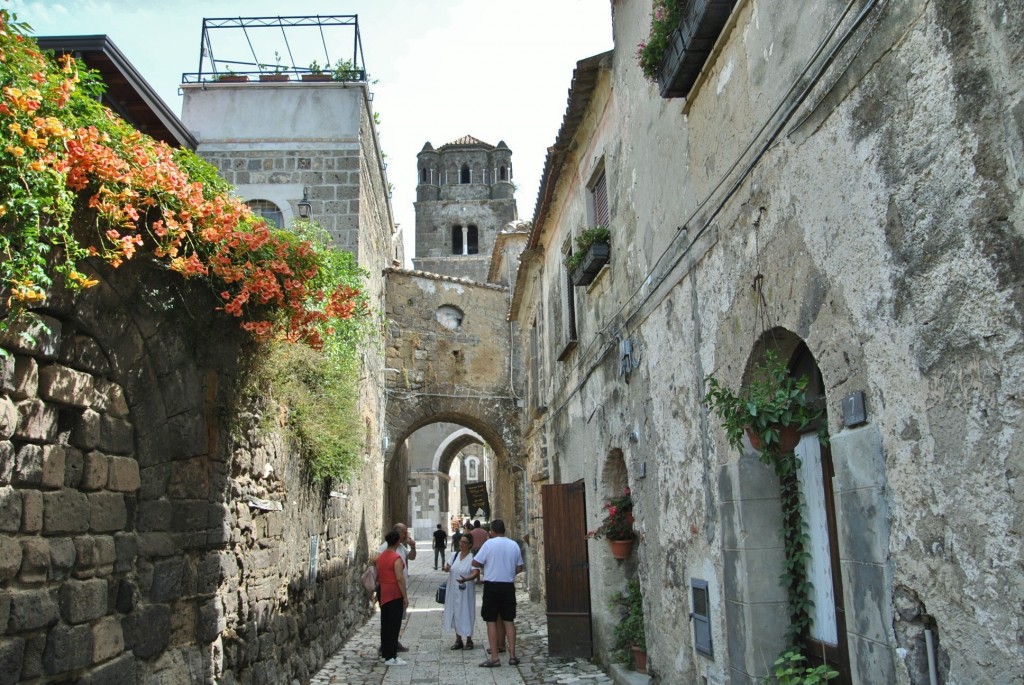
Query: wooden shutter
<point x="602" y="217"/>
<point x="701" y="616"/>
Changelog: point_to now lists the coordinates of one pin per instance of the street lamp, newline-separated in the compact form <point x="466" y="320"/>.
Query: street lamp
<point x="305" y="208"/>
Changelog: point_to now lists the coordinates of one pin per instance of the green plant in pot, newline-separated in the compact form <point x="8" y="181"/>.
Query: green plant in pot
<point x="587" y="239"/>
<point x="345" y="70"/>
<point x="772" y="409"/>
<point x="629" y="633"/>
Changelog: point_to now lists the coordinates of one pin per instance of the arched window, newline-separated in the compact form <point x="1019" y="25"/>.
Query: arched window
<point x="503" y="173"/>
<point x="464" y="175"/>
<point x="472" y="245"/>
<point x="268" y="210"/>
<point x="456" y="239"/>
<point x="423" y="175"/>
<point x="472" y="472"/>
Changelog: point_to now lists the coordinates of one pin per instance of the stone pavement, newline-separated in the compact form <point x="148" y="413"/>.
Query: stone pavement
<point x="430" y="661"/>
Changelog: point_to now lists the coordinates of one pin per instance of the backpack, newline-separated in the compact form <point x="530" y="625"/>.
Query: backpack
<point x="369" y="579"/>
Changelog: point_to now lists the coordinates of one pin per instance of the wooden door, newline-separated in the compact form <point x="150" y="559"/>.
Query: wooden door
<point x="567" y="570"/>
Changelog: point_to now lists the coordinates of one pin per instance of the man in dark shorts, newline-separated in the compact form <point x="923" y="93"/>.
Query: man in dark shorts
<point x="500" y="560"/>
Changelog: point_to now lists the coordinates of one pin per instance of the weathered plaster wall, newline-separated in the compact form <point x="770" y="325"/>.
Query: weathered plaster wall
<point x="131" y="548"/>
<point x="884" y="212"/>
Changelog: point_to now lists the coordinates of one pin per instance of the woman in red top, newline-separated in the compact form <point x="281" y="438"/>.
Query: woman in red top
<point x="393" y="599"/>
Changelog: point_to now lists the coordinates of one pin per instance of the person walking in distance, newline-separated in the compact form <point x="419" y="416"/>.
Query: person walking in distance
<point x="500" y="560"/>
<point x="407" y="550"/>
<point x="479" y="536"/>
<point x="440" y="545"/>
<point x="394" y="598"/>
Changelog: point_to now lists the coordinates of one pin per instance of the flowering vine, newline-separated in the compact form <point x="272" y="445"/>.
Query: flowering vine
<point x="66" y="158"/>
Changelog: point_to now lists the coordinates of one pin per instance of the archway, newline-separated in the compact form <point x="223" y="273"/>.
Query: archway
<point x="415" y="484"/>
<point x="753" y="550"/>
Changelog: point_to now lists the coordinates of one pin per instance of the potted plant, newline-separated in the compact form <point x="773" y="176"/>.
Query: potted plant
<point x="681" y="37"/>
<point x="650" y="53"/>
<point x="790" y="669"/>
<point x="772" y="409"/>
<point x="630" y="636"/>
<point x="229" y="76"/>
<point x="277" y="73"/>
<point x="591" y="254"/>
<point x="316" y="73"/>
<point x="345" y="70"/>
<point x="617" y="525"/>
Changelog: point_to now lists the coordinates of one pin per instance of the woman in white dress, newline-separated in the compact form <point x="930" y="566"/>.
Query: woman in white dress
<point x="460" y="599"/>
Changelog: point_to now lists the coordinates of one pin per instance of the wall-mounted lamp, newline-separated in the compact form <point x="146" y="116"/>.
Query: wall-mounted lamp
<point x="305" y="208"/>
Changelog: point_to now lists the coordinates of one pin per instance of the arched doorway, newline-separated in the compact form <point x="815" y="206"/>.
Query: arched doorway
<point x="754" y="552"/>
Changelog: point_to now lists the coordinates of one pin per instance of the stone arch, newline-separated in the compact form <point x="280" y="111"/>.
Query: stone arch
<point x="452" y="446"/>
<point x="491" y="420"/>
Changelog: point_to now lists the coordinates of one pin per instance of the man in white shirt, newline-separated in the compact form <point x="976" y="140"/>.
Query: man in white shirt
<point x="407" y="550"/>
<point x="500" y="560"/>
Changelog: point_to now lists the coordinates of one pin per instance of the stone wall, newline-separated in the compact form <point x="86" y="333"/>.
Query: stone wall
<point x="149" y="530"/>
<point x="880" y="201"/>
<point x="448" y="362"/>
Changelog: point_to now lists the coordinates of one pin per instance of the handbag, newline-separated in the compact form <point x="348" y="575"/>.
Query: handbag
<point x="442" y="590"/>
<point x="369" y="579"/>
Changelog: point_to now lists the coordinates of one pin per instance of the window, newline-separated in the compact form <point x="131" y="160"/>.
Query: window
<point x="568" y="305"/>
<point x="503" y="173"/>
<point x="465" y="240"/>
<point x="423" y="175"/>
<point x="534" y="371"/>
<point x="599" y="213"/>
<point x="701" y="616"/>
<point x="464" y="176"/>
<point x="456" y="239"/>
<point x="268" y="210"/>
<point x="472" y="473"/>
<point x="449" y="316"/>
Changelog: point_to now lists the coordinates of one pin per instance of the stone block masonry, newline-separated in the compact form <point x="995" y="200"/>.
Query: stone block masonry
<point x="115" y="568"/>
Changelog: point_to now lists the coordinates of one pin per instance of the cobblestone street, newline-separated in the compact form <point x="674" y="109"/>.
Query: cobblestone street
<point x="431" y="661"/>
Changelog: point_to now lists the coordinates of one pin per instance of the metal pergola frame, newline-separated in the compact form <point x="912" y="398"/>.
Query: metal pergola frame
<point x="211" y="67"/>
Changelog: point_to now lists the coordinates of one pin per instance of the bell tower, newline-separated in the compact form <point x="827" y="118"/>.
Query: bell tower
<point x="464" y="197"/>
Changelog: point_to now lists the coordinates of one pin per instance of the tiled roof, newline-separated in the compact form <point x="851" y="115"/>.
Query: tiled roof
<point x="467" y="140"/>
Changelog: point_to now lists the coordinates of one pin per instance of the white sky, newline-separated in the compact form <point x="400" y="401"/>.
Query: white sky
<point x="493" y="69"/>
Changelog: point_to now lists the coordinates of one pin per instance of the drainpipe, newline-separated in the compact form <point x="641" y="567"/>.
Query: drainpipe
<point x="929" y="642"/>
<point x="525" y="515"/>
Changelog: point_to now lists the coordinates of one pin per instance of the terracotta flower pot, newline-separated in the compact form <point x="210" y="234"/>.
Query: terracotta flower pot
<point x="316" y="77"/>
<point x="640" y="659"/>
<point x="621" y="548"/>
<point x="789" y="438"/>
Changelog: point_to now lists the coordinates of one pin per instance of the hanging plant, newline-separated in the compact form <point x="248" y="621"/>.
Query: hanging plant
<point x="771" y="406"/>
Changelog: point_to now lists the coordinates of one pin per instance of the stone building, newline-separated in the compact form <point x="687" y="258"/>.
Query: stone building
<point x="155" y="523"/>
<point x="464" y="199"/>
<point x="842" y="183"/>
<point x="449" y="339"/>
